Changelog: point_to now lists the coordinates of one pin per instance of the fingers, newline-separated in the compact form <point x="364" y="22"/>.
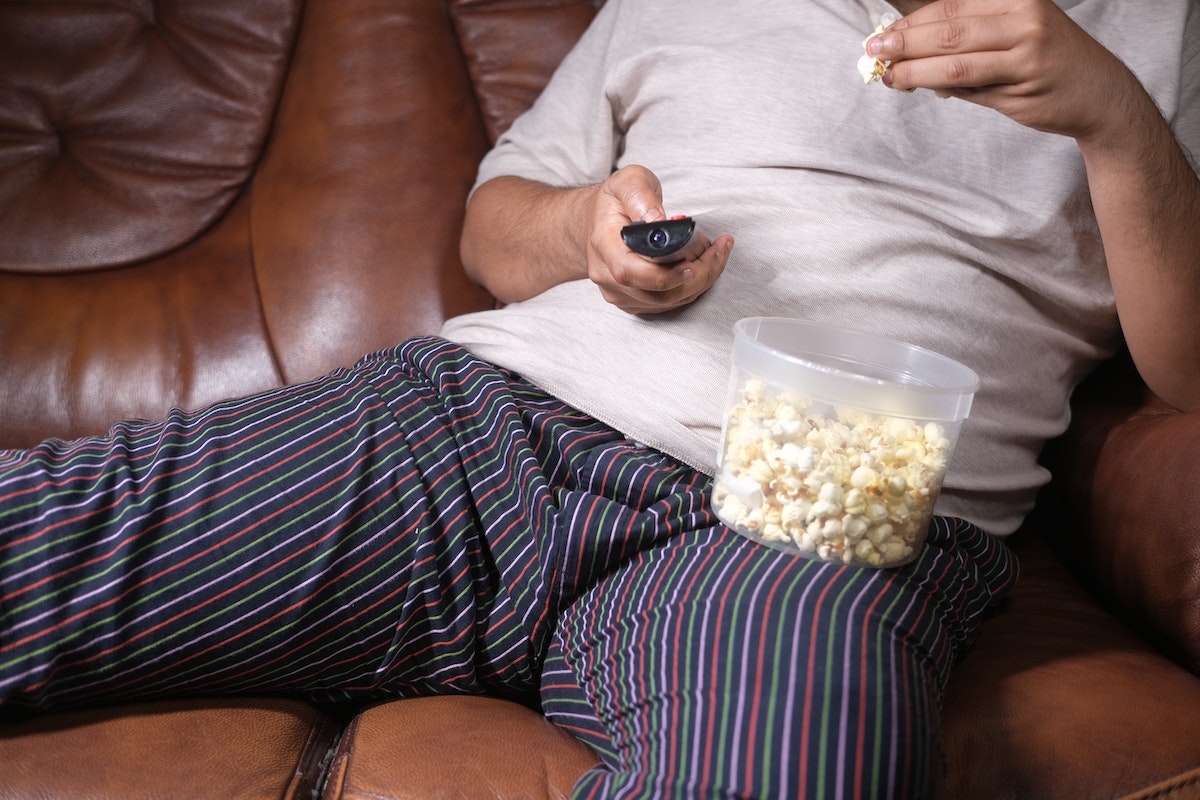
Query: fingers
<point x="969" y="35"/>
<point x="638" y="194"/>
<point x="628" y="280"/>
<point x="956" y="44"/>
<point x="1026" y="59"/>
<point x="639" y="286"/>
<point x="962" y="52"/>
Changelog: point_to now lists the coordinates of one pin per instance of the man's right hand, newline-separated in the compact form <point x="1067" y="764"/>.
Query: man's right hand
<point x="522" y="237"/>
<point x="630" y="281"/>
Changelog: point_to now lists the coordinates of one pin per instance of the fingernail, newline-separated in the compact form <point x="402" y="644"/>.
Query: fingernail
<point x="875" y="45"/>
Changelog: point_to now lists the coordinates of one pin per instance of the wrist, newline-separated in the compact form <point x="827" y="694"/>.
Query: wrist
<point x="1128" y="123"/>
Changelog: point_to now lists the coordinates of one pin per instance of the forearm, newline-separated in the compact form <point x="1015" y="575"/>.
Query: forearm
<point x="1146" y="195"/>
<point x="521" y="237"/>
<point x="1030" y="61"/>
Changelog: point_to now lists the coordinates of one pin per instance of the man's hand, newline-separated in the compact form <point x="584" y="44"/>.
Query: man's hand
<point x="1025" y="58"/>
<point x="1028" y="60"/>
<point x="626" y="279"/>
<point x="521" y="237"/>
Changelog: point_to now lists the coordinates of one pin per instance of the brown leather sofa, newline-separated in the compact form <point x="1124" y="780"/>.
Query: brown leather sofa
<point x="203" y="199"/>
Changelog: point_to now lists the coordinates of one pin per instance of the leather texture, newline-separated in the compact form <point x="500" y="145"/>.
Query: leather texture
<point x="231" y="748"/>
<point x="1059" y="699"/>
<point x="1128" y="466"/>
<point x="481" y="747"/>
<point x="372" y="84"/>
<point x="201" y="200"/>
<point x="511" y="47"/>
<point x="132" y="126"/>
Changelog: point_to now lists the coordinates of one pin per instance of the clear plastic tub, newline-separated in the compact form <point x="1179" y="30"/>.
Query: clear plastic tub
<point x="835" y="442"/>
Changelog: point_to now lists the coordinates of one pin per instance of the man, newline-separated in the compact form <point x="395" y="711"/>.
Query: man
<point x="529" y="515"/>
<point x="985" y="236"/>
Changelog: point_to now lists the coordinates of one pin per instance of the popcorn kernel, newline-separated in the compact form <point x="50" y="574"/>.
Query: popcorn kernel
<point x="853" y="487"/>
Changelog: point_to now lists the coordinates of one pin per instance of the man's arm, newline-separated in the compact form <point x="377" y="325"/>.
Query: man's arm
<point x="521" y="237"/>
<point x="1028" y="60"/>
<point x="1147" y="200"/>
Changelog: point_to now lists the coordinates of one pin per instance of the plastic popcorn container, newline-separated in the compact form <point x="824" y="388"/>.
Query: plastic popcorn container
<point x="835" y="442"/>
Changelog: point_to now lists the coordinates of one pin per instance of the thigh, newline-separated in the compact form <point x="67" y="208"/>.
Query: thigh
<point x="711" y="665"/>
<point x="318" y="539"/>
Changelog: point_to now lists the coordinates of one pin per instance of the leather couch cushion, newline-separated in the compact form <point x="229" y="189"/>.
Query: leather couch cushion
<point x="482" y="747"/>
<point x="133" y="126"/>
<point x="511" y="48"/>
<point x="1146" y="525"/>
<point x="1058" y="694"/>
<point x="357" y="207"/>
<point x="342" y="235"/>
<point x="188" y="749"/>
<point x="1128" y="514"/>
<point x="83" y="351"/>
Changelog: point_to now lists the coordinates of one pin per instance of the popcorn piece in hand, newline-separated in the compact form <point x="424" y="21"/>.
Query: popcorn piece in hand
<point x="870" y="68"/>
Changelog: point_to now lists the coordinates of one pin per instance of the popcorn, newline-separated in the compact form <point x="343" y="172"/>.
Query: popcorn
<point x="870" y="68"/>
<point x="847" y="485"/>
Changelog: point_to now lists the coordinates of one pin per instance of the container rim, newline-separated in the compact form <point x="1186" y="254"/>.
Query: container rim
<point x="954" y="379"/>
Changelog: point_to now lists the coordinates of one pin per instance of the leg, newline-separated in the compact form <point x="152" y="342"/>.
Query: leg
<point x="324" y="539"/>
<point x="712" y="666"/>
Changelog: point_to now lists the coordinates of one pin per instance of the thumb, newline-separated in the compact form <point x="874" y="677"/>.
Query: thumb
<point x="639" y="194"/>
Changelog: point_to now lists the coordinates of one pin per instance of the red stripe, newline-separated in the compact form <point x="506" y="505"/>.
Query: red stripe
<point x="757" y="701"/>
<point x="176" y="565"/>
<point x="184" y="467"/>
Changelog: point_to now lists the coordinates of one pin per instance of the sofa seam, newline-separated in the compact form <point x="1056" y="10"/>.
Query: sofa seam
<point x="1164" y="790"/>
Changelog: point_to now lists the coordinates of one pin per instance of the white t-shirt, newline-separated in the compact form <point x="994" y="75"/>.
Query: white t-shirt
<point x="934" y="221"/>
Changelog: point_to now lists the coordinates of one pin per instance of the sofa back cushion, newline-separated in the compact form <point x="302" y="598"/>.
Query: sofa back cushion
<point x="201" y="200"/>
<point x="512" y="48"/>
<point x="129" y="129"/>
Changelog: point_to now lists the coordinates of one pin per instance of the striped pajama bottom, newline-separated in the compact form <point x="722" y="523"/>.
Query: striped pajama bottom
<point x="425" y="524"/>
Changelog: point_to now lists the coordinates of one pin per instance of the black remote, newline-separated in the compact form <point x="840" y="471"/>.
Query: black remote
<point x="666" y="241"/>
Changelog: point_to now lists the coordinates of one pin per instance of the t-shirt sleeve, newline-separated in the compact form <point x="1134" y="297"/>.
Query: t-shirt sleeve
<point x="568" y="136"/>
<point x="1186" y="123"/>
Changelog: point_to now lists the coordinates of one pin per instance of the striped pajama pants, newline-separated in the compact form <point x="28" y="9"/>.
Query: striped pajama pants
<point x="426" y="523"/>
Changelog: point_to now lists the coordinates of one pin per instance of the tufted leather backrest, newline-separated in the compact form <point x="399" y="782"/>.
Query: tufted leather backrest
<point x="511" y="48"/>
<point x="130" y="127"/>
<point x="203" y="199"/>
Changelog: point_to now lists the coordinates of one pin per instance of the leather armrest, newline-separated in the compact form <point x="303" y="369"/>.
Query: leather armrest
<point x="1127" y="476"/>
